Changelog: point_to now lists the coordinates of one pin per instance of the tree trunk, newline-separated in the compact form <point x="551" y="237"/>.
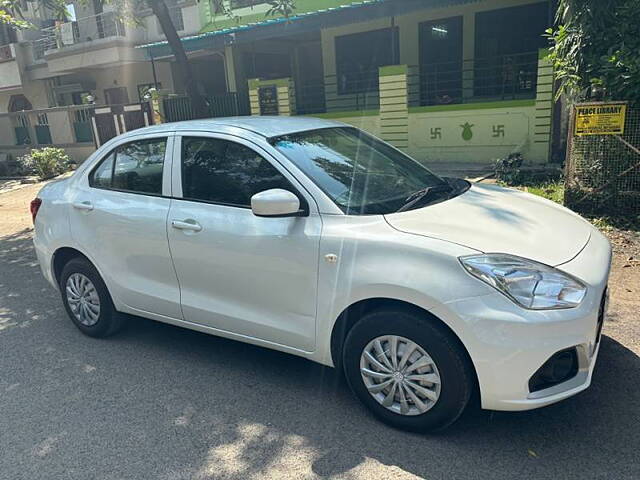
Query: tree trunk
<point x="160" y="10"/>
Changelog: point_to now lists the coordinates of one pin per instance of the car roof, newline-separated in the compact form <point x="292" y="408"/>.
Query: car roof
<point x="267" y="126"/>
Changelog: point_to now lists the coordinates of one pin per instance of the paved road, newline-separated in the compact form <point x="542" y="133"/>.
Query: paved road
<point x="159" y="402"/>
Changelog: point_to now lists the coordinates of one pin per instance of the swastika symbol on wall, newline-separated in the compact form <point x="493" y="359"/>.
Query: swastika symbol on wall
<point x="498" y="131"/>
<point x="436" y="133"/>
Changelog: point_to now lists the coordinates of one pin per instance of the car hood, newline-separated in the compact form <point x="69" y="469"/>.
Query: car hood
<point x="492" y="219"/>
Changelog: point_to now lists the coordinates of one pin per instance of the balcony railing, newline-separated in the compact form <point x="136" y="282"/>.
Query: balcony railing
<point x="90" y="29"/>
<point x="83" y="30"/>
<point x="506" y="77"/>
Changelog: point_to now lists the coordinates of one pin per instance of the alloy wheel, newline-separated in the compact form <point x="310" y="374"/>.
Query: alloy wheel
<point x="400" y="375"/>
<point x="83" y="299"/>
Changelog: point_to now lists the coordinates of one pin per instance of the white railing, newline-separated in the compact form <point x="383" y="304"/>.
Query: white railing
<point x="83" y="30"/>
<point x="90" y="29"/>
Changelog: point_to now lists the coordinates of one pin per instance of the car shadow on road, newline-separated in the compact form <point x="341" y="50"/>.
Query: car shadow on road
<point x="166" y="402"/>
<point x="596" y="433"/>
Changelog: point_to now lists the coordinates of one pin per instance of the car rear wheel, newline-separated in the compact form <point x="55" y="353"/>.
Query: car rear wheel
<point x="407" y="369"/>
<point x="87" y="300"/>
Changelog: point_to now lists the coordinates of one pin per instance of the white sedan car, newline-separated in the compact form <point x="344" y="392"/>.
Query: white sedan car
<point x="314" y="238"/>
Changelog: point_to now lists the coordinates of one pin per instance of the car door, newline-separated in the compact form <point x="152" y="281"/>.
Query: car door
<point x="239" y="273"/>
<point x="118" y="217"/>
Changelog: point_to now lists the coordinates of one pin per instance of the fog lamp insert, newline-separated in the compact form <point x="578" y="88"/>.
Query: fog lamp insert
<point x="562" y="366"/>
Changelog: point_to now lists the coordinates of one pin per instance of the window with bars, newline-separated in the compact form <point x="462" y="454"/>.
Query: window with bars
<point x="506" y="49"/>
<point x="359" y="55"/>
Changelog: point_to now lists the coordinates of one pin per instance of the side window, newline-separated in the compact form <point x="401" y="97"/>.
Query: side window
<point x="101" y="176"/>
<point x="138" y="166"/>
<point x="221" y="171"/>
<point x="134" y="167"/>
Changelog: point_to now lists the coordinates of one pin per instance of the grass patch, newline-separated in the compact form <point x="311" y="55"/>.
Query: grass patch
<point x="609" y="223"/>
<point x="551" y="190"/>
<point x="554" y="191"/>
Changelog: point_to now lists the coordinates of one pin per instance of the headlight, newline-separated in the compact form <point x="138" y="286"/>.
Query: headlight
<point x="530" y="284"/>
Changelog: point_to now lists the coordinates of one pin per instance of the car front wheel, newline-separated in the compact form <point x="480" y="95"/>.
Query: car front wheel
<point x="407" y="369"/>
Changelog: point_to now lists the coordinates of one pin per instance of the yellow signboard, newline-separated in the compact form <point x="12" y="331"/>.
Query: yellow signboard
<point x="600" y="119"/>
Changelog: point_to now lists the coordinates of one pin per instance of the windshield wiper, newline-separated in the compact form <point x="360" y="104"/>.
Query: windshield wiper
<point x="415" y="197"/>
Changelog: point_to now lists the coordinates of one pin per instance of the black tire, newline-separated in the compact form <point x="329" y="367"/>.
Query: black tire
<point x="109" y="320"/>
<point x="456" y="373"/>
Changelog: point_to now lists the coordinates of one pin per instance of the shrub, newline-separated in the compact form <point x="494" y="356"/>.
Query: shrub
<point x="508" y="169"/>
<point x="44" y="162"/>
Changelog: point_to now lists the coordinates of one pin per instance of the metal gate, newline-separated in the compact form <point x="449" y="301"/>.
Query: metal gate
<point x="602" y="171"/>
<point x="178" y="107"/>
<point x="110" y="121"/>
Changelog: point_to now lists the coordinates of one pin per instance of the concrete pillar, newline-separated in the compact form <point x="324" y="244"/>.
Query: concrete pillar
<point x="394" y="108"/>
<point x="413" y="85"/>
<point x="230" y="69"/>
<point x="287" y="97"/>
<point x="544" y="106"/>
<point x="61" y="126"/>
<point x="468" y="53"/>
<point x="285" y="101"/>
<point x="157" y="106"/>
<point x="254" y="84"/>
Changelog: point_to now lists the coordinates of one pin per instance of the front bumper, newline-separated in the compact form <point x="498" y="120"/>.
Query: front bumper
<point x="508" y="344"/>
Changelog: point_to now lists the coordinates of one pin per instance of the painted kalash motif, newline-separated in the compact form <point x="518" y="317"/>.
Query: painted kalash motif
<point x="467" y="133"/>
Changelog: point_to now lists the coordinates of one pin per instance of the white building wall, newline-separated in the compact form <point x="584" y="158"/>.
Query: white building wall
<point x="34" y="91"/>
<point x="7" y="136"/>
<point x="436" y="136"/>
<point x="60" y="126"/>
<point x="130" y="76"/>
<point x="190" y="18"/>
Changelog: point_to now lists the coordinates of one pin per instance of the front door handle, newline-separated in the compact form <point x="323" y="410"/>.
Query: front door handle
<point x="186" y="225"/>
<point x="86" y="205"/>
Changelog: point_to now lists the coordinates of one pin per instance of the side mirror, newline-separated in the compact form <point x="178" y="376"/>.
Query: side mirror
<point x="275" y="203"/>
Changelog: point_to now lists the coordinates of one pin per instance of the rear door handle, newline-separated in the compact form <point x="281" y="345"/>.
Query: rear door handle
<point x="186" y="225"/>
<point x="86" y="205"/>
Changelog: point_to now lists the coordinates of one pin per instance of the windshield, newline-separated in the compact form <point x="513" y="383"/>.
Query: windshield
<point x="361" y="174"/>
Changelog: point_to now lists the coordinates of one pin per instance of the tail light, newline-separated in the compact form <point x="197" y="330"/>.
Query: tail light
<point x="34" y="207"/>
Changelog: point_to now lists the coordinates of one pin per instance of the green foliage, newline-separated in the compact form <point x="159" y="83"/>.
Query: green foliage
<point x="507" y="170"/>
<point x="604" y="176"/>
<point x="618" y="222"/>
<point x="281" y="8"/>
<point x="594" y="49"/>
<point x="545" y="182"/>
<point x="277" y="8"/>
<point x="11" y="12"/>
<point x="9" y="17"/>
<point x="44" y="162"/>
